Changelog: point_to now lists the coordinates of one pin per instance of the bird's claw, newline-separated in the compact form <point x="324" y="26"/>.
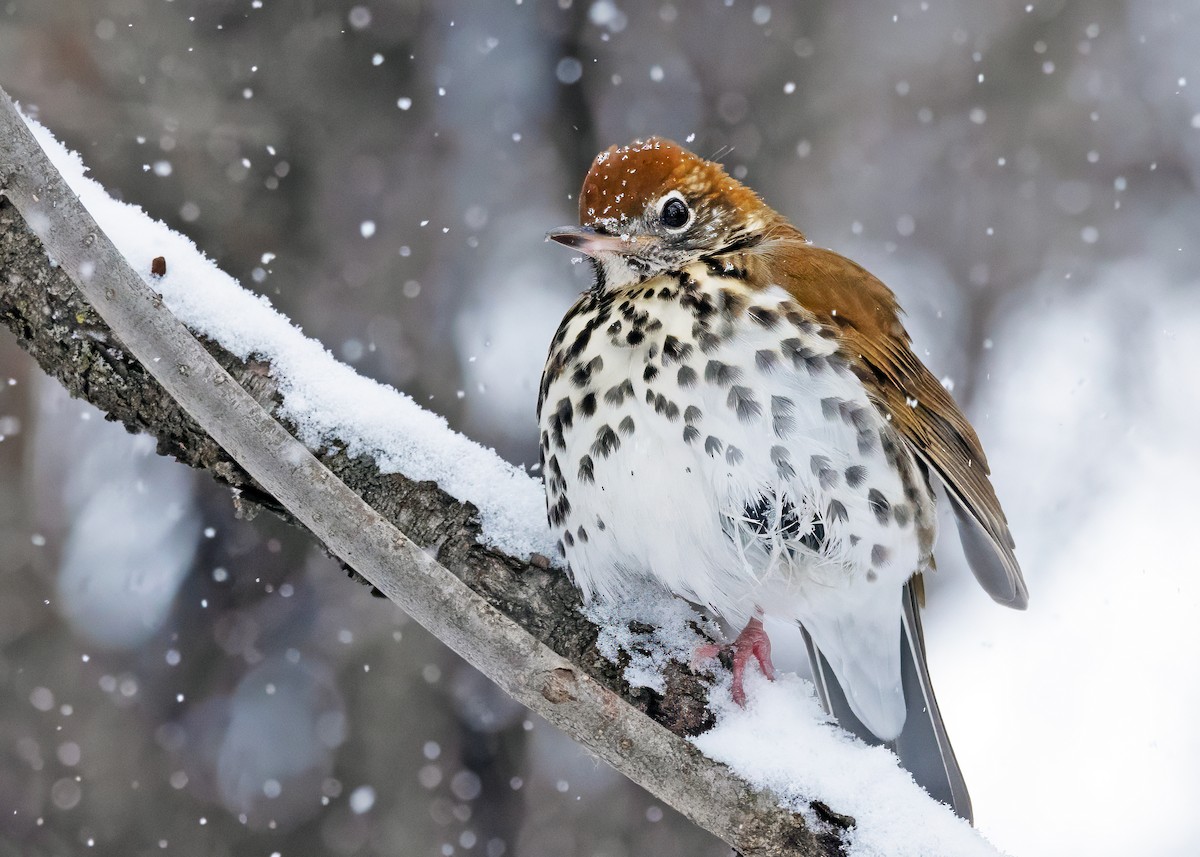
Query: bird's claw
<point x="751" y="643"/>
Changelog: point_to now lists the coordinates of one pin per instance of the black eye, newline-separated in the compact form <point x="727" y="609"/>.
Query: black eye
<point x="674" y="213"/>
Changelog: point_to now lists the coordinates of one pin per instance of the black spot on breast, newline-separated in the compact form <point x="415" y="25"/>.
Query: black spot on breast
<point x="890" y="451"/>
<point x="733" y="455"/>
<point x="741" y="399"/>
<point x="617" y="393"/>
<point x="794" y="350"/>
<point x="801" y="323"/>
<point x="731" y="303"/>
<point x="626" y="426"/>
<point x="713" y="446"/>
<point x="568" y="539"/>
<point x="650" y="373"/>
<point x="879" y="505"/>
<point x="557" y="513"/>
<point x="600" y="525"/>
<point x="879" y="555"/>
<point x="692" y="414"/>
<point x="866" y="441"/>
<point x="699" y="303"/>
<point x="763" y="316"/>
<point x="783" y="420"/>
<point x="902" y="514"/>
<point x="587" y="405"/>
<point x="581" y="341"/>
<point x="687" y="376"/>
<point x="583" y="535"/>
<point x="829" y="408"/>
<point x="583" y="373"/>
<point x="673" y="350"/>
<point x="782" y="460"/>
<point x="556" y="432"/>
<point x="708" y="341"/>
<point x="606" y="441"/>
<point x="720" y="373"/>
<point x="634" y="337"/>
<point x="823" y="470"/>
<point x="564" y="412"/>
<point x="855" y="474"/>
<point x="766" y="360"/>
<point x="690" y="434"/>
<point x="586" y="469"/>
<point x="837" y="511"/>
<point x="615" y="328"/>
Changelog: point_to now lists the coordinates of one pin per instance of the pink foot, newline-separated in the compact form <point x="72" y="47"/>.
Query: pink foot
<point x="752" y="642"/>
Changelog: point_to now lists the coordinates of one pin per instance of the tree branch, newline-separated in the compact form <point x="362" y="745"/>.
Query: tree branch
<point x="91" y="322"/>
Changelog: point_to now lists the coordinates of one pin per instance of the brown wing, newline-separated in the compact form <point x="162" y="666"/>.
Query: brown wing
<point x="863" y="311"/>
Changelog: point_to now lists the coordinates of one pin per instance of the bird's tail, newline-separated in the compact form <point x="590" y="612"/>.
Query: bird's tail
<point x="923" y="746"/>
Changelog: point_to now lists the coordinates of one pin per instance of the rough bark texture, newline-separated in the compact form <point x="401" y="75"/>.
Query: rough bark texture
<point x="63" y="333"/>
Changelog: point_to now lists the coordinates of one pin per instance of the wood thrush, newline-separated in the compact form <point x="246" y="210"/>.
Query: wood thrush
<point x="739" y="415"/>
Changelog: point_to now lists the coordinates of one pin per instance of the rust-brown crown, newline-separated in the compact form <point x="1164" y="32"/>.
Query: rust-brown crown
<point x="626" y="182"/>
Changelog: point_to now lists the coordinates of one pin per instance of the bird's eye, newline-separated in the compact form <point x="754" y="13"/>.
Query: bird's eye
<point x="673" y="212"/>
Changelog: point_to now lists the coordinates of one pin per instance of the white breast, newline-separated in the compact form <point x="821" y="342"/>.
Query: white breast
<point x="735" y="458"/>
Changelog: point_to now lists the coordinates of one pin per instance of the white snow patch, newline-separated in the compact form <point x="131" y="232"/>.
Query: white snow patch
<point x="782" y="741"/>
<point x="653" y="628"/>
<point x="326" y="399"/>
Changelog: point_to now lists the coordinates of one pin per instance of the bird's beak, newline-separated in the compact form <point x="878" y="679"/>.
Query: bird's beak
<point x="587" y="240"/>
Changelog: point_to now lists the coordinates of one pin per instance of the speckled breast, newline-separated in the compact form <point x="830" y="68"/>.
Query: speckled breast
<point x="710" y="436"/>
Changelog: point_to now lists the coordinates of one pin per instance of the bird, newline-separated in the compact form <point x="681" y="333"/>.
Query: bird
<point x="738" y="415"/>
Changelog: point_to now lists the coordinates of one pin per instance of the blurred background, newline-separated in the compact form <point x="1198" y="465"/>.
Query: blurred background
<point x="1023" y="174"/>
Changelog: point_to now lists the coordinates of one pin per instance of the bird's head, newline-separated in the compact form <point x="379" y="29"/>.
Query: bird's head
<point x="653" y="206"/>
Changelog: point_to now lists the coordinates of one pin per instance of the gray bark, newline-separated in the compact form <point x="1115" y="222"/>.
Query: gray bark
<point x="91" y="322"/>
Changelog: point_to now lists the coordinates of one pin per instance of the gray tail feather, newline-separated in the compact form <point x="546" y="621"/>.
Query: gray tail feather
<point x="923" y="746"/>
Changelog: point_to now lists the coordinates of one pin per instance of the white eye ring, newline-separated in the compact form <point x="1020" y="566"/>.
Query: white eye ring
<point x="673" y="225"/>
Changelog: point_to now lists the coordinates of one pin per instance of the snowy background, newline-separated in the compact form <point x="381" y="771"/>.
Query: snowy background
<point x="1023" y="174"/>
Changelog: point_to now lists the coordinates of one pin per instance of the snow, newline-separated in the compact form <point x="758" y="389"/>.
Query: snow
<point x="323" y="398"/>
<point x="652" y="628"/>
<point x="783" y="742"/>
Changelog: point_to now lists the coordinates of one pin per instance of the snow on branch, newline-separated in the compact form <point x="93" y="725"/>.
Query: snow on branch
<point x="441" y="526"/>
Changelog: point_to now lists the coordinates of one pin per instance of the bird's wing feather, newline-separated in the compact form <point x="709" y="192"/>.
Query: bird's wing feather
<point x="863" y="313"/>
<point x="923" y="745"/>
